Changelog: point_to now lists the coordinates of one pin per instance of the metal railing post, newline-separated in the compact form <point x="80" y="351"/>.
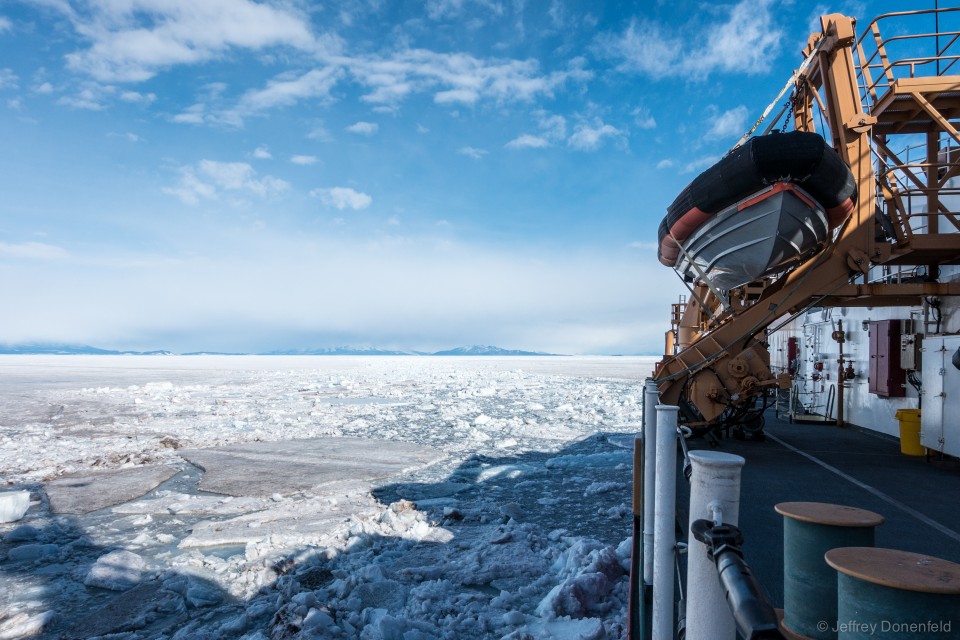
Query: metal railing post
<point x="714" y="496"/>
<point x="650" y="398"/>
<point x="664" y="536"/>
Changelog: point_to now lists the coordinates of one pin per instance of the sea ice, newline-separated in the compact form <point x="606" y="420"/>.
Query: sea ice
<point x="13" y="504"/>
<point x="86" y="492"/>
<point x="262" y="469"/>
<point x="431" y="524"/>
<point x="118" y="570"/>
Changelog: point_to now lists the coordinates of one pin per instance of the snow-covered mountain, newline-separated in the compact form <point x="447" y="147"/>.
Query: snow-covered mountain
<point x="481" y="350"/>
<point x="339" y="351"/>
<point x="37" y="348"/>
<point x="59" y="349"/>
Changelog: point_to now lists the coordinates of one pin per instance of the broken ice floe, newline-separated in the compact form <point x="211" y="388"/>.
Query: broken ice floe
<point x="13" y="504"/>
<point x="86" y="492"/>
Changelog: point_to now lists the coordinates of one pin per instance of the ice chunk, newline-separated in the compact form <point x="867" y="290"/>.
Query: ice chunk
<point x="24" y="626"/>
<point x="83" y="493"/>
<point x="23" y="533"/>
<point x="265" y="468"/>
<point x="32" y="552"/>
<point x="13" y="504"/>
<point x="118" y="570"/>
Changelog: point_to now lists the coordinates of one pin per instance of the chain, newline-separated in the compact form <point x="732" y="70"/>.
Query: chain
<point x="791" y="106"/>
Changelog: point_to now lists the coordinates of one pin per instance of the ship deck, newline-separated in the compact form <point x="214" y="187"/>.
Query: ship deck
<point x="918" y="497"/>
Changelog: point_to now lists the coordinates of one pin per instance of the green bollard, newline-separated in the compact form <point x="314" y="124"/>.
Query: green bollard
<point x="810" y="529"/>
<point x="885" y="593"/>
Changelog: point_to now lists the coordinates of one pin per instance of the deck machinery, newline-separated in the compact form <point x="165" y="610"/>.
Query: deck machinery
<point x="873" y="96"/>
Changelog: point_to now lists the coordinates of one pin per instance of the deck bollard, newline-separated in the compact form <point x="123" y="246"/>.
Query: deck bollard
<point x="651" y="396"/>
<point x="714" y="494"/>
<point x="885" y="593"/>
<point x="665" y="510"/>
<point x="810" y="529"/>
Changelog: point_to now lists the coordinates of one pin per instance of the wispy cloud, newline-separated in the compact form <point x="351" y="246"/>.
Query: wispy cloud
<point x="745" y="40"/>
<point x="364" y="128"/>
<point x="472" y="152"/>
<point x="727" y="124"/>
<point x="262" y="153"/>
<point x="8" y="79"/>
<point x="590" y="136"/>
<point x="92" y="98"/>
<point x="132" y="41"/>
<point x="210" y="178"/>
<point x="458" y="77"/>
<point x="527" y="141"/>
<point x="343" y="198"/>
<point x="441" y="9"/>
<point x="303" y="160"/>
<point x="288" y="89"/>
<point x="699" y="164"/>
<point x="136" y="97"/>
<point x="5" y="25"/>
<point x="33" y="251"/>
<point x="643" y="119"/>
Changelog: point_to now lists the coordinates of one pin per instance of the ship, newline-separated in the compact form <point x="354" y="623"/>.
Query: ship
<point x="819" y="341"/>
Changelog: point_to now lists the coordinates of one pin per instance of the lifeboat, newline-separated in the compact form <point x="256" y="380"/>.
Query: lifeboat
<point x="766" y="207"/>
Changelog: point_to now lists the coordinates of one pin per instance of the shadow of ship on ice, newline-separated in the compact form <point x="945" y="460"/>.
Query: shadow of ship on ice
<point x="509" y="547"/>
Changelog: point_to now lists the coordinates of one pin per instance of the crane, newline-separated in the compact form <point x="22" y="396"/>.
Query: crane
<point x="870" y="92"/>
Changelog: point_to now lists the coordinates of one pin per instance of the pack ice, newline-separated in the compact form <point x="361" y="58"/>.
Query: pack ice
<point x="271" y="498"/>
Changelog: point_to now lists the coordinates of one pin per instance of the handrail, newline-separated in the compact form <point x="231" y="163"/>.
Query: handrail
<point x="873" y="51"/>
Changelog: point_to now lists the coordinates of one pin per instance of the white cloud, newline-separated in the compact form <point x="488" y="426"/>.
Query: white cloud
<point x="590" y="136"/>
<point x="457" y="78"/>
<point x="472" y="152"/>
<point x="666" y="163"/>
<point x="527" y="141"/>
<point x="138" y="98"/>
<point x="319" y="133"/>
<point x="303" y="160"/>
<point x="364" y="128"/>
<point x="442" y="9"/>
<point x="210" y="178"/>
<point x="262" y="153"/>
<point x="644" y="246"/>
<point x="553" y="126"/>
<point x="43" y="88"/>
<point x="745" y="40"/>
<point x="133" y="39"/>
<point x="288" y="89"/>
<point x="343" y="198"/>
<point x="643" y="118"/>
<point x="5" y="25"/>
<point x="729" y="124"/>
<point x="699" y="164"/>
<point x="455" y="96"/>
<point x="91" y="98"/>
<point x="8" y="79"/>
<point x="33" y="251"/>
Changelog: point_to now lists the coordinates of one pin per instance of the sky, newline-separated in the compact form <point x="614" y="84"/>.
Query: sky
<point x="234" y="175"/>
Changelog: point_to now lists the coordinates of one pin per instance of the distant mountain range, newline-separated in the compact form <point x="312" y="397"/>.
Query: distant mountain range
<point x="55" y="349"/>
<point x="82" y="349"/>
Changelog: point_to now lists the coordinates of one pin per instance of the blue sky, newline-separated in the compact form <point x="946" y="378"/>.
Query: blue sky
<point x="240" y="175"/>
